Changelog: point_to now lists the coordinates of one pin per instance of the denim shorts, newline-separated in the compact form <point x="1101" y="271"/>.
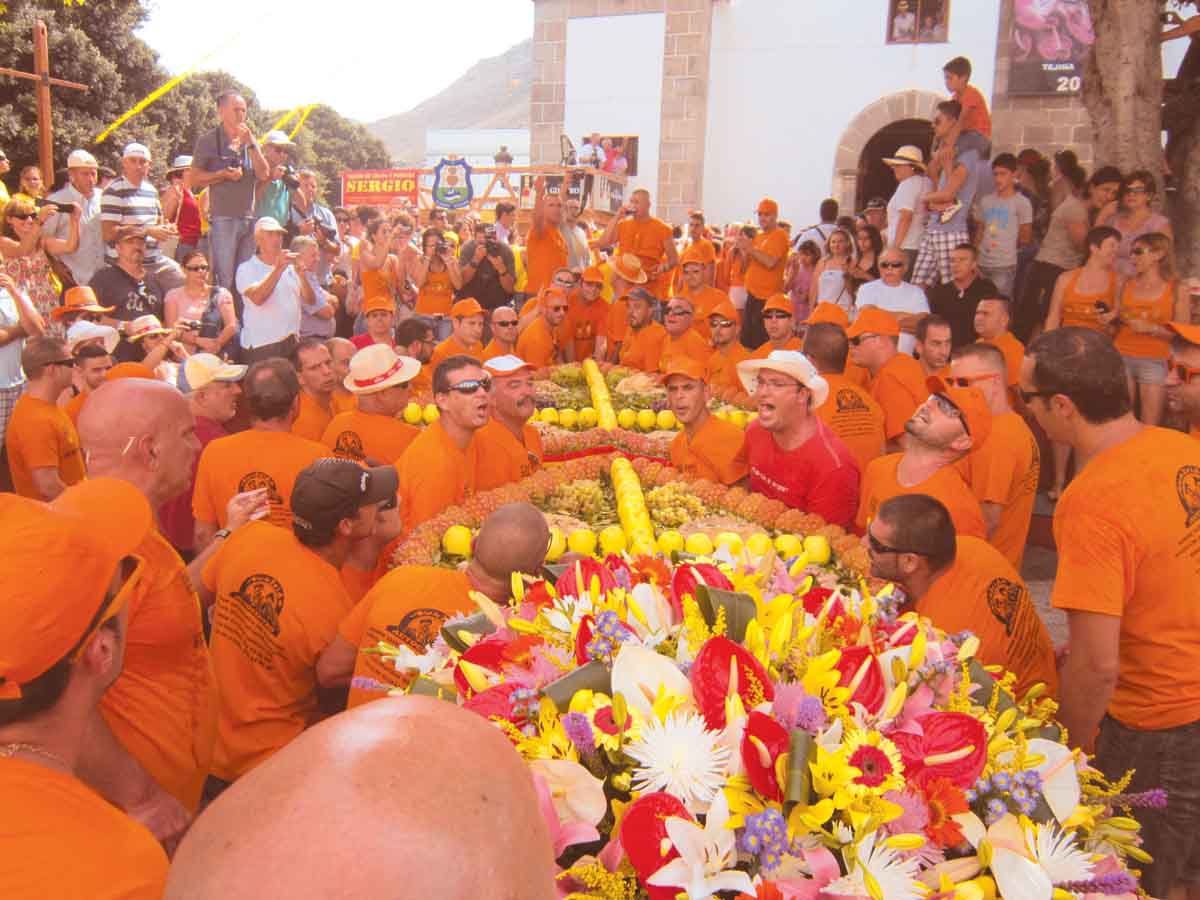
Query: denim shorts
<point x="1146" y="369"/>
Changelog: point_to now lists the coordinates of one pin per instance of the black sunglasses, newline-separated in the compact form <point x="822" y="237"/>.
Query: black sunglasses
<point x="777" y="315"/>
<point x="1026" y="396"/>
<point x="721" y="323"/>
<point x="879" y="547"/>
<point x="891" y="265"/>
<point x="196" y="268"/>
<point x="678" y="311"/>
<point x="506" y="324"/>
<point x="20" y="215"/>
<point x="472" y="386"/>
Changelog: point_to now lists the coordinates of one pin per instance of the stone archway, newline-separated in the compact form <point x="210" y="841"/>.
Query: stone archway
<point x="912" y="104"/>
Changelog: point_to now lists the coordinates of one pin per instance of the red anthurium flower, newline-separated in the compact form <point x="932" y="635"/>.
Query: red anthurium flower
<point x="687" y="576"/>
<point x="643" y="833"/>
<point x="815" y="599"/>
<point x="950" y="745"/>
<point x="858" y="663"/>
<point x="518" y="649"/>
<point x="763" y="742"/>
<point x="589" y="568"/>
<point x="538" y="593"/>
<point x="765" y="891"/>
<point x="583" y="636"/>
<point x="620" y="569"/>
<point x="944" y="799"/>
<point x="495" y="701"/>
<point x="488" y="653"/>
<point x="710" y="679"/>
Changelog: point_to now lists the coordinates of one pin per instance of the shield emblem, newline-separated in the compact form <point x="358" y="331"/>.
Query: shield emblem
<point x="452" y="187"/>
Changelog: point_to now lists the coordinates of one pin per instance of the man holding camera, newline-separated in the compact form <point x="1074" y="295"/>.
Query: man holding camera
<point x="311" y="218"/>
<point x="79" y="191"/>
<point x="487" y="272"/>
<point x="274" y="285"/>
<point x="273" y="197"/>
<point x="228" y="161"/>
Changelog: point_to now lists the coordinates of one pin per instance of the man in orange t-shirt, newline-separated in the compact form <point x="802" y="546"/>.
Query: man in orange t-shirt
<point x="278" y="600"/>
<point x="850" y="412"/>
<point x="962" y="584"/>
<point x="696" y="267"/>
<point x="43" y="447"/>
<point x="707" y="447"/>
<point x="439" y="469"/>
<point x="414" y="338"/>
<point x="949" y="424"/>
<point x="509" y="447"/>
<point x="379" y="380"/>
<point x="646" y="339"/>
<point x="504" y="333"/>
<point x="92" y="363"/>
<point x="587" y="317"/>
<point x="539" y="343"/>
<point x="698" y="248"/>
<point x="634" y="230"/>
<point x="1127" y="529"/>
<point x="626" y="273"/>
<point x="780" y="326"/>
<point x="683" y="341"/>
<point x="1004" y="472"/>
<point x="410" y="604"/>
<point x="69" y="572"/>
<point x="466" y="335"/>
<point x="314" y="366"/>
<point x="992" y="318"/>
<point x="834" y="314"/>
<point x="766" y="256"/>
<point x="545" y="247"/>
<point x="720" y="372"/>
<point x="1183" y="376"/>
<point x="897" y="380"/>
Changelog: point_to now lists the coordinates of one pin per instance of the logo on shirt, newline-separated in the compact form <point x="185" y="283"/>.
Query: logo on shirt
<point x="1003" y="599"/>
<point x="850" y="401"/>
<point x="419" y="628"/>
<point x="264" y="596"/>
<point x="349" y="444"/>
<point x="1187" y="483"/>
<point x="258" y="481"/>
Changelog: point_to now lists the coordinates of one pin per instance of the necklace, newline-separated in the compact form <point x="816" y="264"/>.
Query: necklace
<point x="10" y="750"/>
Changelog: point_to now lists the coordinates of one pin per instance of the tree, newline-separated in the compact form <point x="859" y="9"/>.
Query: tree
<point x="329" y="143"/>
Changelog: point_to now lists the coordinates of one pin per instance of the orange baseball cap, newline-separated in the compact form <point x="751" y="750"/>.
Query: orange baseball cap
<point x="692" y="255"/>
<point x="1190" y="333"/>
<point x="873" y="320"/>
<point x="379" y="303"/>
<point x="828" y="312"/>
<point x="779" y="303"/>
<point x="129" y="370"/>
<point x="769" y="206"/>
<point x="685" y="366"/>
<point x="79" y="299"/>
<point x="467" y="306"/>
<point x="725" y="310"/>
<point x="59" y="560"/>
<point x="593" y="275"/>
<point x="977" y="415"/>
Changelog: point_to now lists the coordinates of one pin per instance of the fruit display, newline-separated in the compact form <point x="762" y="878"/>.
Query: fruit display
<point x="586" y="499"/>
<point x="601" y="399"/>
<point x="639" y="391"/>
<point x="673" y="505"/>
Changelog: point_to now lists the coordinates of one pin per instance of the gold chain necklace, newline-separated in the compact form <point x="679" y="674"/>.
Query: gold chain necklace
<point x="11" y="750"/>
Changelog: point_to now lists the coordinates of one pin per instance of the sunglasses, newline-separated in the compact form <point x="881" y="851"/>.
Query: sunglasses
<point x="472" y="386"/>
<point x="557" y="308"/>
<point x="721" y="323"/>
<point x="948" y="408"/>
<point x="1027" y="396"/>
<point x="1185" y="374"/>
<point x="678" y="311"/>
<point x="1136" y="190"/>
<point x="891" y="265"/>
<point x="777" y="315"/>
<point x="19" y="215"/>
<point x="963" y="381"/>
<point x="877" y="546"/>
<point x="196" y="268"/>
<point x="506" y="324"/>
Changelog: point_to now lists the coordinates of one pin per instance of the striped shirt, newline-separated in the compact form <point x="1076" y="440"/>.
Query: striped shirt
<point x="125" y="204"/>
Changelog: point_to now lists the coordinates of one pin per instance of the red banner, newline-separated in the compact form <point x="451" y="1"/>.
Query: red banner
<point x="378" y="187"/>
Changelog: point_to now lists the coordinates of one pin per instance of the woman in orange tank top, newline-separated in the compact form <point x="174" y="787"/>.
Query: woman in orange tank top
<point x="1085" y="298"/>
<point x="1151" y="298"/>
<point x="437" y="277"/>
<point x="376" y="266"/>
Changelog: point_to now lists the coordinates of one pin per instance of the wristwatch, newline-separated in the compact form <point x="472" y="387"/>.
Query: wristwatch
<point x="222" y="534"/>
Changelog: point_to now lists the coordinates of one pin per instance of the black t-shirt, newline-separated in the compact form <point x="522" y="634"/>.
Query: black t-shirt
<point x="129" y="298"/>
<point x="485" y="286"/>
<point x="958" y="308"/>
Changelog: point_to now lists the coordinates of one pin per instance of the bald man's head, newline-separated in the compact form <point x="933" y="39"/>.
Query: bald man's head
<point x="340" y="350"/>
<point x="513" y="539"/>
<point x="143" y="432"/>
<point x="381" y="801"/>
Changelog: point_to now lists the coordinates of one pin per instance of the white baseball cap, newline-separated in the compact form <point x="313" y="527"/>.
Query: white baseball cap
<point x="181" y="162"/>
<point x="136" y="151"/>
<point x="268" y="223"/>
<point x="377" y="367"/>
<point x="792" y="363"/>
<point x="506" y="365"/>
<point x="202" y="369"/>
<point x="278" y="139"/>
<point x="83" y="331"/>
<point x="81" y="159"/>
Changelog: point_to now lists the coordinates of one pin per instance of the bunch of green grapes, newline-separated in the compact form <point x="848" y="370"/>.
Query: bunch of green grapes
<point x="582" y="499"/>
<point x="569" y="375"/>
<point x="673" y="505"/>
<point x="617" y="374"/>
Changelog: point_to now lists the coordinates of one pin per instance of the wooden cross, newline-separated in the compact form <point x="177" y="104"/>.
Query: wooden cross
<point x="41" y="74"/>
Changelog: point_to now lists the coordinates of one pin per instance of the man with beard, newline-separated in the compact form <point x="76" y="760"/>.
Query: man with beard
<point x="707" y="447"/>
<point x="539" y="342"/>
<point x="932" y="343"/>
<point x="683" y="341"/>
<point x="897" y="380"/>
<point x="645" y="340"/>
<point x="414" y="337"/>
<point x="720" y="374"/>
<point x="1183" y="376"/>
<point x="466" y="332"/>
<point x="509" y="447"/>
<point x="314" y="366"/>
<point x="92" y="363"/>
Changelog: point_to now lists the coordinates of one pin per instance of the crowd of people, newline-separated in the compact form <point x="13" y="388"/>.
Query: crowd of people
<point x="202" y="398"/>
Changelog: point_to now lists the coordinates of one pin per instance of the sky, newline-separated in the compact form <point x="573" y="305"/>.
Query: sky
<point x="365" y="58"/>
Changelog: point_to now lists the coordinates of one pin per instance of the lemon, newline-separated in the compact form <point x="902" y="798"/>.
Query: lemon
<point x="550" y="415"/>
<point x="670" y="541"/>
<point x="582" y="540"/>
<point x="758" y="543"/>
<point x="627" y="418"/>
<point x="722" y="414"/>
<point x="588" y="417"/>
<point x="412" y="414"/>
<point x="698" y="544"/>
<point x="739" y="417"/>
<point x="643" y="547"/>
<point x="612" y="539"/>
<point x="665" y="420"/>
<point x="430" y="414"/>
<point x="558" y="545"/>
<point x="646" y="420"/>
<point x="457" y="540"/>
<point x="730" y="540"/>
<point x="817" y="548"/>
<point x="568" y="418"/>
<point x="788" y="545"/>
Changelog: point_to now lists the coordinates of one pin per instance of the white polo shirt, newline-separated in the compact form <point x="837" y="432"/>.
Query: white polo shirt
<point x="903" y="298"/>
<point x="279" y="317"/>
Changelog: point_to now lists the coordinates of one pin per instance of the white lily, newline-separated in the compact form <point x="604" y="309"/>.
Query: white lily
<point x="1026" y="861"/>
<point x="577" y="794"/>
<point x="405" y="660"/>
<point x="878" y="872"/>
<point x="706" y="854"/>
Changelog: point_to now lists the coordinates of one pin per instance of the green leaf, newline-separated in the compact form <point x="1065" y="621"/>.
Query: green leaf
<point x="594" y="676"/>
<point x="739" y="609"/>
<point x="476" y="623"/>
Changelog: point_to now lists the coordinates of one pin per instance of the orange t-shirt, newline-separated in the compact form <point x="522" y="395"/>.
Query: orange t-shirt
<point x="880" y="483"/>
<point x="1005" y="470"/>
<point x="731" y="270"/>
<point x="538" y="345"/>
<point x="708" y="256"/>
<point x="975" y="115"/>
<point x="422" y="382"/>
<point x="73" y="407"/>
<point x="643" y="348"/>
<point x="163" y="706"/>
<point x="278" y="605"/>
<point x="714" y="453"/>
<point x="721" y="371"/>
<point x="857" y="374"/>
<point x="617" y="327"/>
<point x="502" y="458"/>
<point x="762" y="282"/>
<point x="1014" y="354"/>
<point x="1128" y="536"/>
<point x="899" y="388"/>
<point x="704" y="301"/>
<point x="545" y="251"/>
<point x="41" y="436"/>
<point x="408" y="607"/>
<point x="314" y="417"/>
<point x="367" y="437"/>
<point x="982" y="593"/>
<point x="690" y="345"/>
<point x="247" y="461"/>
<point x="357" y="581"/>
<point x="854" y="416"/>
<point x="452" y="346"/>
<point x="435" y="473"/>
<point x="62" y="841"/>
<point x="764" y="350"/>
<point x="343" y="401"/>
<point x="437" y="295"/>
<point x="493" y="349"/>
<point x="1079" y="310"/>
<point x="645" y="240"/>
<point x="1155" y="310"/>
<point x="584" y="323"/>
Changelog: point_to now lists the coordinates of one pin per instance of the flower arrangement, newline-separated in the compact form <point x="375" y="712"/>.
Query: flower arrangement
<point x="698" y="728"/>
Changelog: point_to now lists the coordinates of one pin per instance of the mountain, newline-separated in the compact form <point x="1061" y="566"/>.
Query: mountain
<point x="494" y="93"/>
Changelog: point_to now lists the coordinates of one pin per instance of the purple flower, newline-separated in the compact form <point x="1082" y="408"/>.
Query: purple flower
<point x="765" y="836"/>
<point x="796" y="708"/>
<point x="579" y="729"/>
<point x="1155" y="798"/>
<point x="1111" y="883"/>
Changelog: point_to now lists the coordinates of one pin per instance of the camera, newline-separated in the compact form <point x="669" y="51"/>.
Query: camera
<point x="442" y="245"/>
<point x="191" y="324"/>
<point x="66" y="208"/>
<point x="750" y="231"/>
<point x="491" y="245"/>
<point x="290" y="178"/>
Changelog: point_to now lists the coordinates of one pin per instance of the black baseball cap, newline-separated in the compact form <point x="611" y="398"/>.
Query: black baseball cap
<point x="330" y="490"/>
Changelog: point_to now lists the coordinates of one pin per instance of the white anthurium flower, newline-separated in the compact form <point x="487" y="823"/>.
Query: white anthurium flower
<point x="1025" y="862"/>
<point x="706" y="855"/>
<point x="639" y="675"/>
<point x="577" y="794"/>
<point x="831" y="738"/>
<point x="655" y="609"/>
<point x="878" y="872"/>
<point x="1060" y="781"/>
<point x="405" y="660"/>
<point x="557" y="619"/>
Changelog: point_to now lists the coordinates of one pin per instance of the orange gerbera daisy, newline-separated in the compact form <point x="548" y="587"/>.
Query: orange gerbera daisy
<point x="944" y="799"/>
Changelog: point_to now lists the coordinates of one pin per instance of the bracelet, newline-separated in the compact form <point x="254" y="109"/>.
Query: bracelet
<point x="221" y="534"/>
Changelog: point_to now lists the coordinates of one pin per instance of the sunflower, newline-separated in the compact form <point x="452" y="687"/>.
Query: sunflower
<point x="877" y="760"/>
